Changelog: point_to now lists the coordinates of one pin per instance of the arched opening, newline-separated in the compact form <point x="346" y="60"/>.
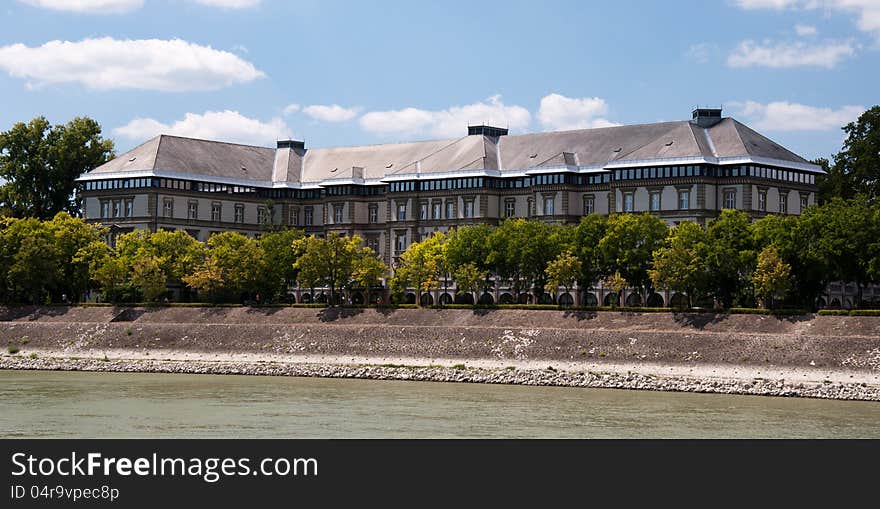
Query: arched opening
<point x="426" y="300"/>
<point x="847" y="304"/>
<point x="525" y="298"/>
<point x="820" y="303"/>
<point x="545" y="298"/>
<point x="357" y="299"/>
<point x="611" y="299"/>
<point x="835" y="303"/>
<point x="506" y="298"/>
<point x="409" y="298"/>
<point x="322" y="298"/>
<point x="634" y="300"/>
<point x="446" y="299"/>
<point x="655" y="300"/>
<point x="679" y="300"/>
<point x="292" y="298"/>
<point x="486" y="299"/>
<point x="590" y="300"/>
<point x="566" y="300"/>
<point x="306" y="298"/>
<point x="464" y="298"/>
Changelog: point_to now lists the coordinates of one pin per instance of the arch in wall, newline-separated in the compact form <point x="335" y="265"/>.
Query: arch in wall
<point x="590" y="300"/>
<point x="409" y="298"/>
<point x="611" y="299"/>
<point x="506" y="298"/>
<point x="634" y="300"/>
<point x="357" y="298"/>
<point x="427" y="300"/>
<point x="655" y="300"/>
<point x="566" y="300"/>
<point x="306" y="298"/>
<point x="446" y="299"/>
<point x="464" y="298"/>
<point x="821" y="303"/>
<point x="486" y="299"/>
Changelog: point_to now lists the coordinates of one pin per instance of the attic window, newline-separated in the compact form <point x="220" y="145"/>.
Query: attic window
<point x="618" y="149"/>
<point x="532" y="156"/>
<point x="132" y="159"/>
<point x="670" y="142"/>
<point x="243" y="168"/>
<point x="389" y="165"/>
<point x="334" y="169"/>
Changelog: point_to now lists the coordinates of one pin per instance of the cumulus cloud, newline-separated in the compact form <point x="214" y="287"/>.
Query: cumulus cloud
<point x="790" y="54"/>
<point x="331" y="113"/>
<point x="701" y="52"/>
<point x="230" y="126"/>
<point x="786" y="116"/>
<point x="804" y="30"/>
<point x="147" y="64"/>
<point x="558" y="112"/>
<point x="449" y="123"/>
<point x="230" y="4"/>
<point x="87" y="6"/>
<point x="291" y="109"/>
<point x="867" y="12"/>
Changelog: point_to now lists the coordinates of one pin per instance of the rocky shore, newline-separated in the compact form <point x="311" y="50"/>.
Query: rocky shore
<point x="461" y="374"/>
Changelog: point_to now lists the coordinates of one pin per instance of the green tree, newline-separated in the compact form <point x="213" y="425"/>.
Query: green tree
<point x="520" y="250"/>
<point x="326" y="262"/>
<point x="618" y="284"/>
<point x="628" y="247"/>
<point x="70" y="236"/>
<point x="106" y="271"/>
<point x="41" y="163"/>
<point x="729" y="255"/>
<point x="563" y="271"/>
<point x="858" y="164"/>
<point x="468" y="278"/>
<point x="206" y="279"/>
<point x="280" y="256"/>
<point x="235" y="265"/>
<point x="147" y="277"/>
<point x="367" y="270"/>
<point x="420" y="265"/>
<point x="771" y="278"/>
<point x="585" y="245"/>
<point x="678" y="266"/>
<point x="469" y="244"/>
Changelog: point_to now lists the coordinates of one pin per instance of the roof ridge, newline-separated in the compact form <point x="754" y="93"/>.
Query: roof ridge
<point x="652" y="140"/>
<point x="441" y="149"/>
<point x="189" y="138"/>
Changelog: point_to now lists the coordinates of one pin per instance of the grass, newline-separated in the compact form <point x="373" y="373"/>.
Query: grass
<point x="24" y="340"/>
<point x="128" y="331"/>
<point x="459" y="367"/>
<point x="13" y="349"/>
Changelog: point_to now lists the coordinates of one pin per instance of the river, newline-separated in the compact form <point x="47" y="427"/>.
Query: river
<point x="110" y="405"/>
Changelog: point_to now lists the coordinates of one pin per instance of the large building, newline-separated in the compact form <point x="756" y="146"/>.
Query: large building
<point x="395" y="194"/>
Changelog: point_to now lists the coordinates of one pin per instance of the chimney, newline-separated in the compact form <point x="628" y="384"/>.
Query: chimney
<point x="288" y="161"/>
<point x="706" y="117"/>
<point x="487" y="130"/>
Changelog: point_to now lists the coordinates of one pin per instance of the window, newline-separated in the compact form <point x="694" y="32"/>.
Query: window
<point x="239" y="213"/>
<point x="530" y="207"/>
<point x="684" y="199"/>
<point x="294" y="216"/>
<point x="373" y="243"/>
<point x="589" y="205"/>
<point x="783" y="202"/>
<point x="469" y="208"/>
<point x="215" y="212"/>
<point x="337" y="214"/>
<point x="401" y="211"/>
<point x="193" y="210"/>
<point x="627" y="202"/>
<point x="400" y="243"/>
<point x="509" y="208"/>
<point x="129" y="208"/>
<point x="762" y="200"/>
<point x="804" y="202"/>
<point x="655" y="201"/>
<point x="548" y="206"/>
<point x="436" y="209"/>
<point x="261" y="215"/>
<point x="423" y="211"/>
<point x="309" y="216"/>
<point x="117" y="208"/>
<point x="105" y="209"/>
<point x="374" y="214"/>
<point x="450" y="209"/>
<point x="168" y="208"/>
<point x="730" y="199"/>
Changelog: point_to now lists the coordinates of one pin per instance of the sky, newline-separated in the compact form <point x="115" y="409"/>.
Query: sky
<point x="336" y="73"/>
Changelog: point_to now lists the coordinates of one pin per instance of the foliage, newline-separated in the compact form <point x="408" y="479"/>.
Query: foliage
<point x="856" y="168"/>
<point x="618" y="284"/>
<point x="679" y="266"/>
<point x="41" y="162"/>
<point x="234" y="266"/>
<point x="326" y="261"/>
<point x="280" y="257"/>
<point x="468" y="278"/>
<point x="563" y="271"/>
<point x="628" y="246"/>
<point x="771" y="278"/>
<point x="367" y="269"/>
<point x="420" y="266"/>
<point x="729" y="255"/>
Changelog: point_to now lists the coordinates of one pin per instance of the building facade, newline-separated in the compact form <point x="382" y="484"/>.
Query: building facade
<point x="392" y="195"/>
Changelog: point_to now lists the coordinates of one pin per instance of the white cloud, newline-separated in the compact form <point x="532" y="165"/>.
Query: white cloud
<point x="701" y="52"/>
<point x="331" y="113"/>
<point x="107" y="63"/>
<point x="291" y="109"/>
<point x="88" y="6"/>
<point x="786" y="116"/>
<point x="559" y="113"/>
<point x="766" y="4"/>
<point x="867" y="12"/>
<point x="225" y="125"/>
<point x="230" y="4"/>
<point x="448" y="123"/>
<point x="804" y="30"/>
<point x="790" y="54"/>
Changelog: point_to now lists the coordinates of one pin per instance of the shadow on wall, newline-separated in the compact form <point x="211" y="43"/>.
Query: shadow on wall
<point x="333" y="314"/>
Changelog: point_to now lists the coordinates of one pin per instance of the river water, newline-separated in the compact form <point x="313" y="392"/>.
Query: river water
<point x="110" y="405"/>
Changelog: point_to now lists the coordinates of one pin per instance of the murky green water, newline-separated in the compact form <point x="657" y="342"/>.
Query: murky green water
<point x="89" y="405"/>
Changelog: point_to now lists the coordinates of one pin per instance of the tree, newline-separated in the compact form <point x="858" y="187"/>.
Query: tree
<point x="629" y="244"/>
<point x="469" y="244"/>
<point x="467" y="280"/>
<point x="771" y="277"/>
<point x="70" y="236"/>
<point x="147" y="277"/>
<point x="328" y="261"/>
<point x="234" y="266"/>
<point x="280" y="256"/>
<point x="585" y="245"/>
<point x="729" y="255"/>
<point x="207" y="279"/>
<point x="367" y="270"/>
<point x="678" y="266"/>
<point x="795" y="240"/>
<point x="563" y="271"/>
<point x="419" y="266"/>
<point x="858" y="164"/>
<point x="618" y="284"/>
<point x="106" y="271"/>
<point x="41" y="163"/>
<point x="520" y="250"/>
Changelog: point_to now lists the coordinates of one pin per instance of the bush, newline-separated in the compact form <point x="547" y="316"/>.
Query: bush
<point x="865" y="312"/>
<point x="12" y="349"/>
<point x="833" y="312"/>
<point x="778" y="312"/>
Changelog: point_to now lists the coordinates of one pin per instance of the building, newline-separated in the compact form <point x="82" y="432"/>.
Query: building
<point x="395" y="194"/>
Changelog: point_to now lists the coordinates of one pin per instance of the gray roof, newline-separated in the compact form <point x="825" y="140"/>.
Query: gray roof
<point x="592" y="148"/>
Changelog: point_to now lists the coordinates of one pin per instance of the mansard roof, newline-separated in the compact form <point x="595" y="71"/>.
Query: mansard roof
<point x="585" y="149"/>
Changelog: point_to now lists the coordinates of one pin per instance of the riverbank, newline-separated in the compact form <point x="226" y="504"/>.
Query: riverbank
<point x="819" y="357"/>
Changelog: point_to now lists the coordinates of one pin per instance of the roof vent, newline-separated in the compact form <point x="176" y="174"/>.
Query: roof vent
<point x="669" y="143"/>
<point x="532" y="156"/>
<point x="333" y="170"/>
<point x="132" y="159"/>
<point x="243" y="168"/>
<point x="706" y="117"/>
<point x="618" y="149"/>
<point x="487" y="130"/>
<point x="389" y="165"/>
<point x="295" y="144"/>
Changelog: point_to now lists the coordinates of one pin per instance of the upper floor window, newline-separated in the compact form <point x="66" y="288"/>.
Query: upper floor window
<point x="589" y="205"/>
<point x="373" y="243"/>
<point x="423" y="211"/>
<point x="548" y="206"/>
<point x="805" y="201"/>
<point x="261" y="215"/>
<point x="730" y="199"/>
<point x="509" y="208"/>
<point x="309" y="216"/>
<point x="239" y="213"/>
<point x="168" y="208"/>
<point x="105" y="209"/>
<point x="117" y="208"/>
<point x="401" y="211"/>
<point x="469" y="208"/>
<point x="400" y="243"/>
<point x="684" y="199"/>
<point x="374" y="214"/>
<point x="129" y="208"/>
<point x="436" y="209"/>
<point x="337" y="214"/>
<point x="294" y="216"/>
<point x="193" y="210"/>
<point x="627" y="202"/>
<point x="215" y="212"/>
<point x="783" y="202"/>
<point x="762" y="200"/>
<point x="450" y="209"/>
<point x="655" y="201"/>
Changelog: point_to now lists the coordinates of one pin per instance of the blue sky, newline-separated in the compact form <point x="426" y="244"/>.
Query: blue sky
<point x="344" y="73"/>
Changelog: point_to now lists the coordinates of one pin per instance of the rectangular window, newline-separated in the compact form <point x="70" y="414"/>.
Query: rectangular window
<point x="783" y="202"/>
<point x="129" y="208"/>
<point x="117" y="208"/>
<point x="401" y="212"/>
<point x="589" y="205"/>
<point x="469" y="208"/>
<point x="655" y="201"/>
<point x="309" y="216"/>
<point x="684" y="199"/>
<point x="436" y="210"/>
<point x="548" y="206"/>
<point x="261" y="215"/>
<point x="193" y="210"/>
<point x="400" y="243"/>
<point x="762" y="200"/>
<point x="804" y="203"/>
<point x="105" y="209"/>
<point x="215" y="212"/>
<point x="423" y="211"/>
<point x="294" y="216"/>
<point x="373" y="243"/>
<point x="509" y="208"/>
<point x="374" y="214"/>
<point x="730" y="199"/>
<point x="167" y="208"/>
<point x="337" y="214"/>
<point x="450" y="210"/>
<point x="239" y="213"/>
<point x="627" y="202"/>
